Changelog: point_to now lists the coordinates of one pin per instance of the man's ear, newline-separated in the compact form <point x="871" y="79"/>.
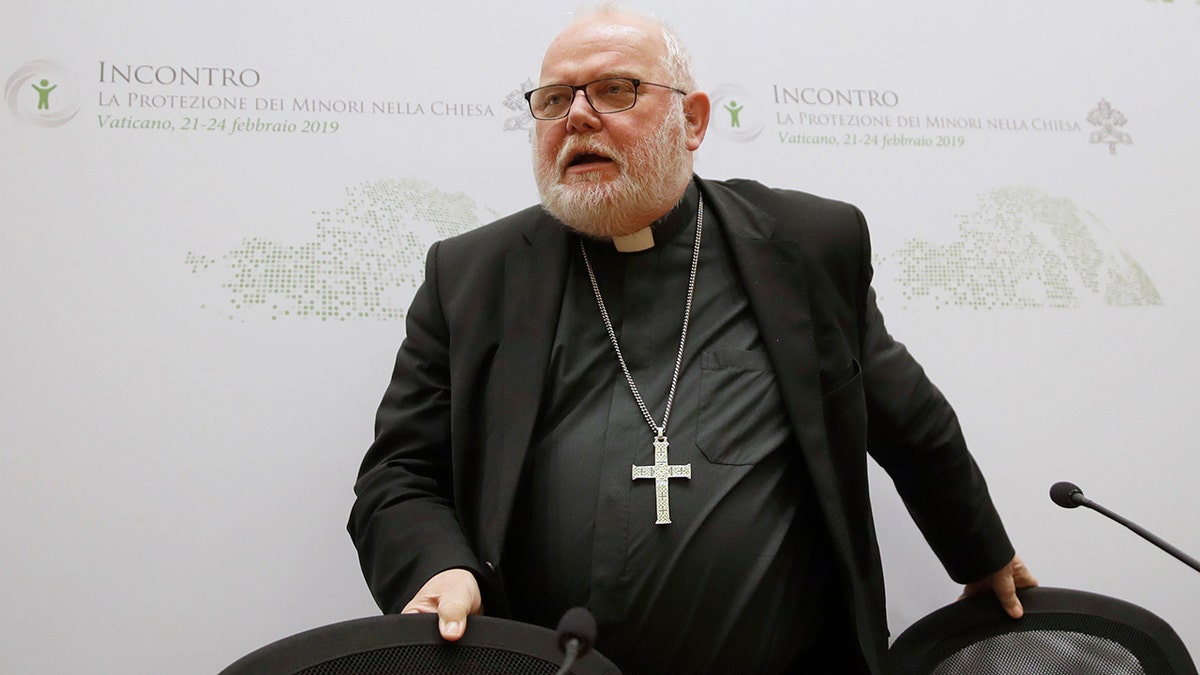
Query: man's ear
<point x="696" y="108"/>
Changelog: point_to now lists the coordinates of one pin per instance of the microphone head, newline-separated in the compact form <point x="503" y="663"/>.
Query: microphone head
<point x="1066" y="495"/>
<point x="577" y="624"/>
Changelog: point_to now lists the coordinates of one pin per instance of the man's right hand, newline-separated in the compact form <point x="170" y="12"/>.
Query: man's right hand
<point x="452" y="595"/>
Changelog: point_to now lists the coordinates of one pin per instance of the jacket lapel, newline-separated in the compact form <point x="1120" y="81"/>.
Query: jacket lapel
<point x="534" y="279"/>
<point x="772" y="272"/>
<point x="772" y="269"/>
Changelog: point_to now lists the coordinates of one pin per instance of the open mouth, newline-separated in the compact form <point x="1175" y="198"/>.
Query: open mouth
<point x="586" y="158"/>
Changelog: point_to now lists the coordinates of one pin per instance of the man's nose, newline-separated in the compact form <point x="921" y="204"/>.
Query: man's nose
<point x="581" y="115"/>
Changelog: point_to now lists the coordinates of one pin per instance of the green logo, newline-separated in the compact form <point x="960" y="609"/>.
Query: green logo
<point x="42" y="93"/>
<point x="734" y="109"/>
<point x="736" y="113"/>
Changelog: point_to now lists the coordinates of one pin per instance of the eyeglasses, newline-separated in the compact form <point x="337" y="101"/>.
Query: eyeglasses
<point x="609" y="95"/>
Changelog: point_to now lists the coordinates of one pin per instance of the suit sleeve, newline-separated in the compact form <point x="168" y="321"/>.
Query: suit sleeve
<point x="403" y="522"/>
<point x="914" y="434"/>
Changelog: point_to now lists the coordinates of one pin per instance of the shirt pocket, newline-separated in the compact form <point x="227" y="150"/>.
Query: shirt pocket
<point x="742" y="419"/>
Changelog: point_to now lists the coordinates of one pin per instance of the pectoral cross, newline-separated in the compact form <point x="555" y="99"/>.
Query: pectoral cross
<point x="661" y="472"/>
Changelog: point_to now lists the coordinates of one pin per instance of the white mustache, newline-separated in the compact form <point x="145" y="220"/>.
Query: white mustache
<point x="578" y="145"/>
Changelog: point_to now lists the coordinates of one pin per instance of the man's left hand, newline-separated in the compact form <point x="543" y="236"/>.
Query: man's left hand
<point x="1004" y="582"/>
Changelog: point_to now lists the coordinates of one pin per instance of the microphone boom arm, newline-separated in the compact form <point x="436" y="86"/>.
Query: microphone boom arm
<point x="1068" y="495"/>
<point x="1144" y="533"/>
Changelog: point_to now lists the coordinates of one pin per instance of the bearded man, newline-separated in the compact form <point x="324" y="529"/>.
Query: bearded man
<point x="654" y="396"/>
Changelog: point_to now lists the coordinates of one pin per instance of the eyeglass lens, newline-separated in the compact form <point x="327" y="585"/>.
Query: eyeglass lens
<point x="605" y="96"/>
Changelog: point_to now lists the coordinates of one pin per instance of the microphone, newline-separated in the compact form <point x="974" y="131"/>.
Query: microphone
<point x="1069" y="496"/>
<point x="576" y="634"/>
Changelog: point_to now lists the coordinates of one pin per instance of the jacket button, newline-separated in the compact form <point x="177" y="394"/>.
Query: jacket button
<point x="490" y="566"/>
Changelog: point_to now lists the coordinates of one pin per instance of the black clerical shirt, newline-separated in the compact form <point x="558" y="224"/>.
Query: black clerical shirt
<point x="736" y="582"/>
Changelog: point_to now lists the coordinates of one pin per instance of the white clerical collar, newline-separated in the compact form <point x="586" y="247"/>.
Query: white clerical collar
<point x="680" y="217"/>
<point x="641" y="240"/>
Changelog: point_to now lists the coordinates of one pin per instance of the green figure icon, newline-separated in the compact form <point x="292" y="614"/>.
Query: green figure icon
<point x="44" y="94"/>
<point x="734" y="109"/>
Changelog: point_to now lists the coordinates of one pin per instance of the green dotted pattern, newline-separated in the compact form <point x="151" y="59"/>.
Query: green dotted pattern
<point x="1021" y="248"/>
<point x="364" y="262"/>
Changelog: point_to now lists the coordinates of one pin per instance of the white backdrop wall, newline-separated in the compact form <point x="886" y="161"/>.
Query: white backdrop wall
<point x="213" y="222"/>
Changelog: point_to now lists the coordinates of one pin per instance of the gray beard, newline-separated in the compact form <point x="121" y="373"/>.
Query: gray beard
<point x="653" y="175"/>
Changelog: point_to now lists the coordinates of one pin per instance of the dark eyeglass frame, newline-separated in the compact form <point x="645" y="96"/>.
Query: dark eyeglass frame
<point x="576" y="88"/>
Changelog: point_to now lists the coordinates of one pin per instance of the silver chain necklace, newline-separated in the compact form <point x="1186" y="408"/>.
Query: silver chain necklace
<point x="661" y="470"/>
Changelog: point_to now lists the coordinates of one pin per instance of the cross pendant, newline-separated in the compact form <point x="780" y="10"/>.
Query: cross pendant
<point x="661" y="472"/>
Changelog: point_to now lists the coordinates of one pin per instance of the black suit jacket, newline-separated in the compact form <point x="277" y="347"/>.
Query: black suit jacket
<point x="436" y="488"/>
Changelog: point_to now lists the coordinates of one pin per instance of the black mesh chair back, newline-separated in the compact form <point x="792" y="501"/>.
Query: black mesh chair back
<point x="1063" y="632"/>
<point x="409" y="644"/>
